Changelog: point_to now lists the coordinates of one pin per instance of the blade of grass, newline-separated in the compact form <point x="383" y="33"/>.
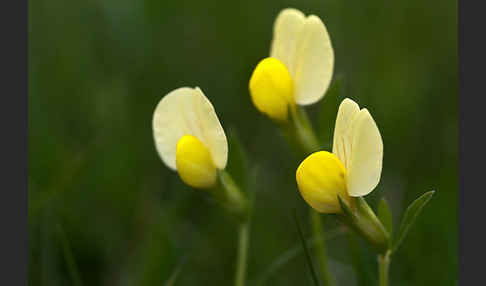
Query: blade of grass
<point x="69" y="257"/>
<point x="306" y="249"/>
<point x="291" y="253"/>
<point x="175" y="274"/>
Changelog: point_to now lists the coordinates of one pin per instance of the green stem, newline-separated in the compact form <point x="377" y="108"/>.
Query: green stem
<point x="236" y="203"/>
<point x="383" y="265"/>
<point x="299" y="132"/>
<point x="241" y="259"/>
<point x="318" y="232"/>
<point x="230" y="196"/>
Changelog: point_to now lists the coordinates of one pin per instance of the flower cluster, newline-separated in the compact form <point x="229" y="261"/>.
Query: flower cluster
<point x="190" y="139"/>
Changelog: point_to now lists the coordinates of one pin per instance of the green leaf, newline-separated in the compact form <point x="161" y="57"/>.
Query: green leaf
<point x="237" y="160"/>
<point x="306" y="249"/>
<point x="328" y="111"/>
<point x="244" y="174"/>
<point x="385" y="216"/>
<point x="410" y="217"/>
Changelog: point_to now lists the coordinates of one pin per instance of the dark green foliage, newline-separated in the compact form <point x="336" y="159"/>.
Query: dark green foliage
<point x="385" y="216"/>
<point x="411" y="214"/>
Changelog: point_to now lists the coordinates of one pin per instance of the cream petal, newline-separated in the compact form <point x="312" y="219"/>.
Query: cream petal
<point x="285" y="29"/>
<point x="186" y="111"/>
<point x="366" y="158"/>
<point x="313" y="62"/>
<point x="342" y="139"/>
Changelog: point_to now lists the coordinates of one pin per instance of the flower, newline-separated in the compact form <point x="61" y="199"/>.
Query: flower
<point x="189" y="137"/>
<point x="299" y="68"/>
<point x="353" y="169"/>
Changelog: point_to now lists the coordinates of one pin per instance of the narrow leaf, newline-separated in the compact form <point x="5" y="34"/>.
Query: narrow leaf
<point x="410" y="217"/>
<point x="238" y="163"/>
<point x="385" y="216"/>
<point x="306" y="249"/>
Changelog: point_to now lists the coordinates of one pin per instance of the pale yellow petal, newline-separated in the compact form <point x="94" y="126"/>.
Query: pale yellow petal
<point x="342" y="139"/>
<point x="313" y="64"/>
<point x="186" y="111"/>
<point x="213" y="135"/>
<point x="364" y="167"/>
<point x="285" y="29"/>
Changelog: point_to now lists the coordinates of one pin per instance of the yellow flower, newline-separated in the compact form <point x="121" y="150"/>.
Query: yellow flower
<point x="189" y="137"/>
<point x="299" y="68"/>
<point x="353" y="169"/>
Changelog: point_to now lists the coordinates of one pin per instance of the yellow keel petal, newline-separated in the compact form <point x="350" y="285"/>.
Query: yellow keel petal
<point x="194" y="163"/>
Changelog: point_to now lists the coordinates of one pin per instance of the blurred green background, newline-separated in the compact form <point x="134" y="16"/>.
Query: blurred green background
<point x="105" y="210"/>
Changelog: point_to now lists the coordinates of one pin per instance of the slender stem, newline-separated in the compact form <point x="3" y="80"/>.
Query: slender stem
<point x="241" y="259"/>
<point x="236" y="203"/>
<point x="299" y="132"/>
<point x="383" y="265"/>
<point x="230" y="196"/>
